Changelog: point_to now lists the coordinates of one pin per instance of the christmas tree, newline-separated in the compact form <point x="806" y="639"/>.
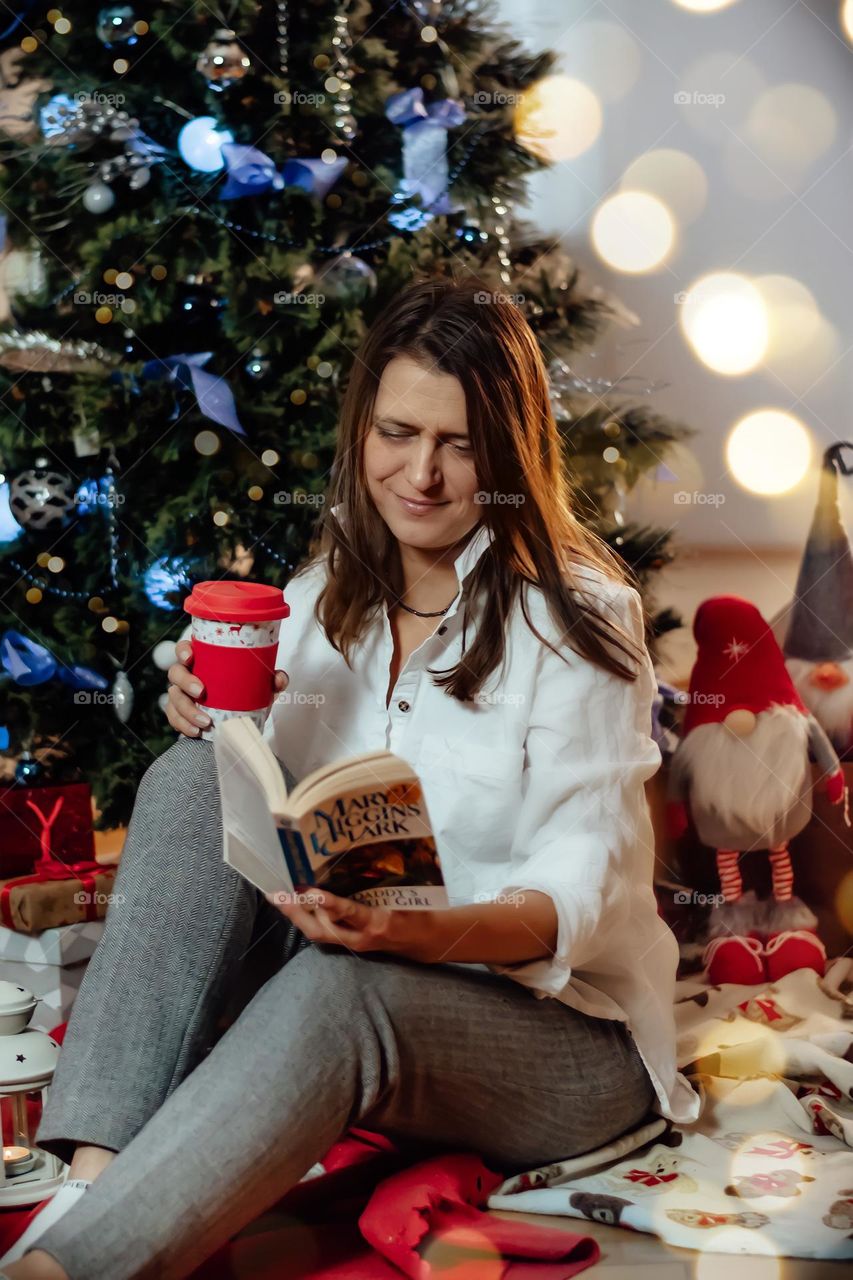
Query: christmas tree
<point x="208" y="217"/>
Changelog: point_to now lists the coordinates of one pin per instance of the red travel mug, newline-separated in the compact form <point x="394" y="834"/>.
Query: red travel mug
<point x="235" y="630"/>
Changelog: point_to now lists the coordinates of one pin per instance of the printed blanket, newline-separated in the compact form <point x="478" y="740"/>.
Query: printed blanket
<point x="768" y="1166"/>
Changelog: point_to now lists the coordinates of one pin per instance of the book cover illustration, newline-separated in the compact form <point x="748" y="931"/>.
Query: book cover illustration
<point x="375" y="845"/>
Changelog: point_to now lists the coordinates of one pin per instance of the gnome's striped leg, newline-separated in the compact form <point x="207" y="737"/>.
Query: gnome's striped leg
<point x="729" y="873"/>
<point x="782" y="872"/>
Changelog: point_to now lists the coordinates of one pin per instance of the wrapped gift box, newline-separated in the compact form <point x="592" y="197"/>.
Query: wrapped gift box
<point x="51" y="964"/>
<point x="30" y="904"/>
<point x="34" y="820"/>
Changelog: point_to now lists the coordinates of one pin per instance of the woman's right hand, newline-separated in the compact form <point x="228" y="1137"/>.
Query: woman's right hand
<point x="184" y="688"/>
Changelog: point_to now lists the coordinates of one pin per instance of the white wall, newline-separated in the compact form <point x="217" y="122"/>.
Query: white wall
<point x="758" y="219"/>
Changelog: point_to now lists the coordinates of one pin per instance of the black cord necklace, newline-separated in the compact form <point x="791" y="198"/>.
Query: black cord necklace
<point x="418" y="614"/>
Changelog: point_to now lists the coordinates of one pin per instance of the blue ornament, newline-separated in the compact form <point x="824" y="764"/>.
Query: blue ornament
<point x="114" y="25"/>
<point x="27" y="770"/>
<point x="55" y="114"/>
<point x="471" y="234"/>
<point x="86" y="497"/>
<point x="78" y="677"/>
<point x="93" y="494"/>
<point x="27" y="662"/>
<point x="410" y="219"/>
<point x="166" y="576"/>
<point x="9" y="527"/>
<point x="200" y="143"/>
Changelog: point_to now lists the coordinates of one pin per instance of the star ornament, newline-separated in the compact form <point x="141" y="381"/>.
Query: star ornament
<point x="735" y="649"/>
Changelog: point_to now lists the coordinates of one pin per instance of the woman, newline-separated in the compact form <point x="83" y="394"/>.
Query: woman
<point x="458" y="614"/>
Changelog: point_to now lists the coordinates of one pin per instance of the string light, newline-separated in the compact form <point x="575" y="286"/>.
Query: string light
<point x="282" y="37"/>
<point x="47" y="587"/>
<point x="499" y="231"/>
<point x="339" y="84"/>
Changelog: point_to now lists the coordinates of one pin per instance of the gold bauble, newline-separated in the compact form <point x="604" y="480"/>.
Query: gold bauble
<point x="224" y="60"/>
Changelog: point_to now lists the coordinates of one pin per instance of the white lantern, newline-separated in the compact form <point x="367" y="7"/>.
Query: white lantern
<point x="27" y="1062"/>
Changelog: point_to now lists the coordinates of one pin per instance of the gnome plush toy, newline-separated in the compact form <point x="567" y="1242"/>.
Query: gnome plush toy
<point x="818" y="644"/>
<point x="742" y="766"/>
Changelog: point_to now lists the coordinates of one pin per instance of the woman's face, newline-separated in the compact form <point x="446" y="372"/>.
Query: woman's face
<point x="418" y="448"/>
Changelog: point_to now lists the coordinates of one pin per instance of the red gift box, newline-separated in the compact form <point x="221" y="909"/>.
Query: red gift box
<point x="39" y="822"/>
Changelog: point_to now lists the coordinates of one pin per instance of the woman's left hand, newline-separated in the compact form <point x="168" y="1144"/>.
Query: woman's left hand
<point x="521" y="928"/>
<point x="343" y="922"/>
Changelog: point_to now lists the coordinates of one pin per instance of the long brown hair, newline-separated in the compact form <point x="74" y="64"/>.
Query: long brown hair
<point x="460" y="327"/>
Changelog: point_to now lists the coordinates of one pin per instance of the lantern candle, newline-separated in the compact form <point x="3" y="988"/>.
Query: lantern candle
<point x="18" y="1160"/>
<point x="27" y="1061"/>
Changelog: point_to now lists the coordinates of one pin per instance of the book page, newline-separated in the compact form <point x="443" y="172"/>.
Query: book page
<point x="246" y="740"/>
<point x="330" y="779"/>
<point x="250" y="842"/>
<point x="252" y="867"/>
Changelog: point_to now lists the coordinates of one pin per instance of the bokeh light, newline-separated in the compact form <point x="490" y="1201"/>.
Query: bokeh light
<point x="844" y="901"/>
<point x="724" y="319"/>
<point x="200" y="144"/>
<point x="633" y="231"/>
<point x="704" y="6"/>
<point x="768" y="451"/>
<point x="847" y="19"/>
<point x="716" y="92"/>
<point x="674" y="177"/>
<point x="10" y="530"/>
<point x="789" y="127"/>
<point x="802" y="344"/>
<point x="792" y="311"/>
<point x="558" y="118"/>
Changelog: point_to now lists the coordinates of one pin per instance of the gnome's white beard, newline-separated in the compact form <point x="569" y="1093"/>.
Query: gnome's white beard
<point x="832" y="708"/>
<point x="753" y="779"/>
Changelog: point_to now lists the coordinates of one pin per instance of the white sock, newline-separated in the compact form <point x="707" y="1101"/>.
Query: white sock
<point x="59" y="1203"/>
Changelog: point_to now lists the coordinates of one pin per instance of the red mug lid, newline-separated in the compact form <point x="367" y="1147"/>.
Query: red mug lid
<point x="236" y="602"/>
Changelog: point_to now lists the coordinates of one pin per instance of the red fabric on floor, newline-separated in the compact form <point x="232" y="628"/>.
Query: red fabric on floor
<point x="421" y="1220"/>
<point x="374" y="1215"/>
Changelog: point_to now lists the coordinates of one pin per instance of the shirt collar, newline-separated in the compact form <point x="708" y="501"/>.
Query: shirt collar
<point x="468" y="557"/>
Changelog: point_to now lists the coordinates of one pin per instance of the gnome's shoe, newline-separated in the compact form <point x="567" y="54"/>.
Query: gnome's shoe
<point x="736" y="960"/>
<point x="794" y="949"/>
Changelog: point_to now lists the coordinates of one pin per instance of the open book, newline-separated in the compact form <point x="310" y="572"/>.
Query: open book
<point x="358" y="827"/>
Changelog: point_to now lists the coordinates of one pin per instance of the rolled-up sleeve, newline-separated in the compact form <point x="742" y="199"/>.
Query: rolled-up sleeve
<point x="584" y="834"/>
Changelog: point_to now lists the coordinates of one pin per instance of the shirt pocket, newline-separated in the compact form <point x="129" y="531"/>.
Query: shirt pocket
<point x="473" y="793"/>
<point x="479" y="760"/>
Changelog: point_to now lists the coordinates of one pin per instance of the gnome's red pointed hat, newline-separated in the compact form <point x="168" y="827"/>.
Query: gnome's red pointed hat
<point x="738" y="665"/>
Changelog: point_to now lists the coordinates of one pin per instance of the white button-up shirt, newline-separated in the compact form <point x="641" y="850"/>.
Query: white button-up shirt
<point x="536" y="784"/>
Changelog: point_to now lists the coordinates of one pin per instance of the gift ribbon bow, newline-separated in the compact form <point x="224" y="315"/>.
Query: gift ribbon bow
<point x="213" y="394"/>
<point x="425" y="145"/>
<point x="251" y="172"/>
<point x="29" y="663"/>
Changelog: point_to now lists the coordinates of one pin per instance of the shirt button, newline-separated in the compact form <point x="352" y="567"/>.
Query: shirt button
<point x="441" y="630"/>
<point x="404" y="706"/>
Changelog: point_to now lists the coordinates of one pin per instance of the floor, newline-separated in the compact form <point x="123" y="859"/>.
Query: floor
<point x="633" y="1255"/>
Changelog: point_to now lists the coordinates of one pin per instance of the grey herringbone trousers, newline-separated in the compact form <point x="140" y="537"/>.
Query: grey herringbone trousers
<point x="212" y="1126"/>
